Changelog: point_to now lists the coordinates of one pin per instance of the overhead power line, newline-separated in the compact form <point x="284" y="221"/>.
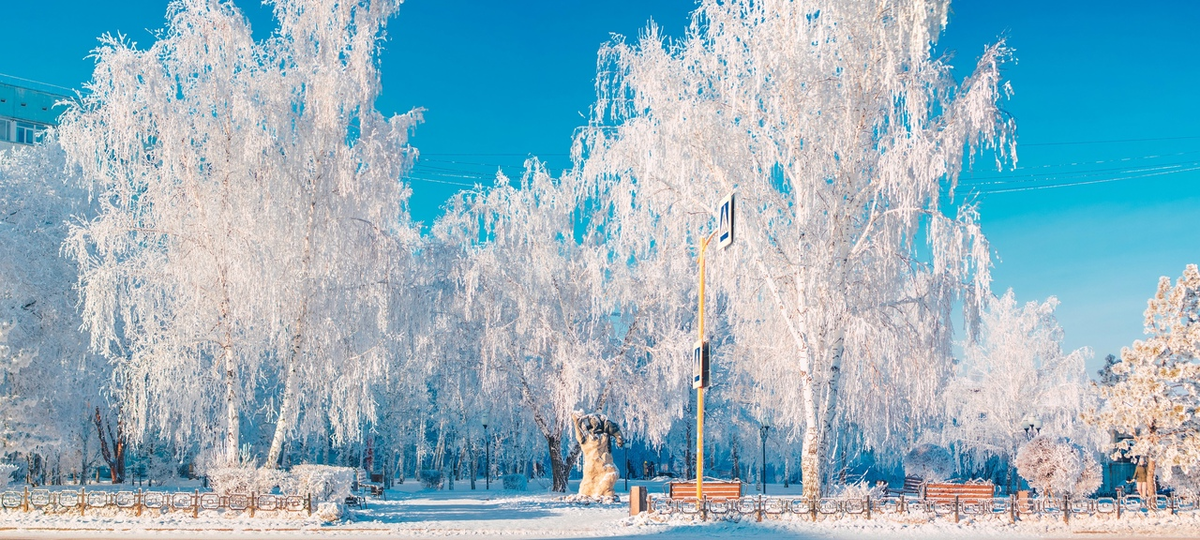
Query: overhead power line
<point x="1110" y="141"/>
<point x="447" y="182"/>
<point x="1074" y="175"/>
<point x="1195" y="167"/>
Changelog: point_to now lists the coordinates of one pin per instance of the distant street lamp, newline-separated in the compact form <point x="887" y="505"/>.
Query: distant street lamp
<point x="626" y="467"/>
<point x="762" y="469"/>
<point x="1032" y="426"/>
<point x="487" y="455"/>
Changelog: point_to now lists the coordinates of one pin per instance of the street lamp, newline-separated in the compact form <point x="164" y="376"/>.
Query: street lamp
<point x="1032" y="426"/>
<point x="487" y="454"/>
<point x="762" y="468"/>
<point x="626" y="467"/>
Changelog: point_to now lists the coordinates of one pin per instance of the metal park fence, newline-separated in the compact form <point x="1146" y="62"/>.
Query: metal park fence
<point x="139" y="502"/>
<point x="1009" y="508"/>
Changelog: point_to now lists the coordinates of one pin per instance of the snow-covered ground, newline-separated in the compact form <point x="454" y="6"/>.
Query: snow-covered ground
<point x="412" y="512"/>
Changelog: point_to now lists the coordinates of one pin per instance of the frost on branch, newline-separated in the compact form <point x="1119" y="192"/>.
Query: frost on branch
<point x="929" y="462"/>
<point x="1057" y="467"/>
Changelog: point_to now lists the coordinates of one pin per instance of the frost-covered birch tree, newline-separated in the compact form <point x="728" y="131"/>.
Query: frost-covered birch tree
<point x="1016" y="369"/>
<point x="250" y="209"/>
<point x="843" y="138"/>
<point x="535" y="292"/>
<point x="1156" y="395"/>
<point x="52" y="383"/>
<point x="549" y="303"/>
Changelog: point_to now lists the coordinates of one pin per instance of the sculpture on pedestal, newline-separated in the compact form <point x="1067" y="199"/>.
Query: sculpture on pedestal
<point x="596" y="434"/>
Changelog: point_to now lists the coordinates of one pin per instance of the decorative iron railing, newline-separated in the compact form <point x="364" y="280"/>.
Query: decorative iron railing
<point x="139" y="502"/>
<point x="1011" y="508"/>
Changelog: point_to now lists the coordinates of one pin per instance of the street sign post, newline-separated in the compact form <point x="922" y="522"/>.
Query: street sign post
<point x="700" y="361"/>
<point x="725" y="222"/>
<point x="700" y="365"/>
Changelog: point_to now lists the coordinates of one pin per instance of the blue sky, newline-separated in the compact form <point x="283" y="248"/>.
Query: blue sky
<point x="1105" y="99"/>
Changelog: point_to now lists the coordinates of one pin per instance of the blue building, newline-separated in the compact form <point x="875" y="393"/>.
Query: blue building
<point x="26" y="109"/>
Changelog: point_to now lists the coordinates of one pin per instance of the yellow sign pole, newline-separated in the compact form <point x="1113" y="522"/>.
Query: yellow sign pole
<point x="700" y="389"/>
<point x="726" y="230"/>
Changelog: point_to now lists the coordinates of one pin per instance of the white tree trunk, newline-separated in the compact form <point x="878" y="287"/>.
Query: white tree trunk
<point x="810" y="457"/>
<point x="829" y="410"/>
<point x="232" y="419"/>
<point x="287" y="409"/>
<point x="289" y="405"/>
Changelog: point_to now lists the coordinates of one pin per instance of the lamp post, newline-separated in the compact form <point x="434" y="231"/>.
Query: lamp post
<point x="762" y="467"/>
<point x="487" y="455"/>
<point x="1032" y="426"/>
<point x="626" y="468"/>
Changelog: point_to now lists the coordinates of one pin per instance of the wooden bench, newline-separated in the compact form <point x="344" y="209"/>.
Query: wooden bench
<point x="362" y="483"/>
<point x="912" y="488"/>
<point x="967" y="493"/>
<point x="714" y="490"/>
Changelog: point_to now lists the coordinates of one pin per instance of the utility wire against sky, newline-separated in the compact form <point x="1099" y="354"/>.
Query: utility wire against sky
<point x="1087" y="182"/>
<point x="451" y="172"/>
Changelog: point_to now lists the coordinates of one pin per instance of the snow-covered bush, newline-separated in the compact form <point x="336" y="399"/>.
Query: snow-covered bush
<point x="860" y="490"/>
<point x="6" y="471"/>
<point x="929" y="462"/>
<point x="226" y="480"/>
<point x="431" y="478"/>
<point x="515" y="482"/>
<point x="1186" y="484"/>
<point x="324" y="482"/>
<point x="157" y="465"/>
<point x="1058" y="467"/>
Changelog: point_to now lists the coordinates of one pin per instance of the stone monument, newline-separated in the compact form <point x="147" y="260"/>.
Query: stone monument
<point x="596" y="434"/>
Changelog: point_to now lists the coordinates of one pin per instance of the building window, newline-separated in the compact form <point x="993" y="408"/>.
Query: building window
<point x="5" y="130"/>
<point x="28" y="133"/>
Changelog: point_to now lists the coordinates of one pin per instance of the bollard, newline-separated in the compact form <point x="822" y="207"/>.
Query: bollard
<point x="1066" y="502"/>
<point x="251" y="505"/>
<point x="638" y="500"/>
<point x="956" y="508"/>
<point x="868" y="507"/>
<point x="196" y="503"/>
<point x="1012" y="507"/>
<point x="137" y="502"/>
<point x="1120" y="503"/>
<point x="812" y="508"/>
<point x="82" y="500"/>
<point x="758" y="510"/>
<point x="25" y="500"/>
<point x="308" y="503"/>
<point x="903" y="505"/>
<point x="1171" y="502"/>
